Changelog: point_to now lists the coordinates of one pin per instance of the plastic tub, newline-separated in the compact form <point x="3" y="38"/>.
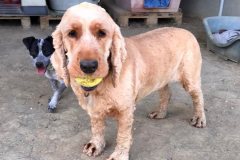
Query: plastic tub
<point x="63" y="5"/>
<point x="231" y="50"/>
<point x="32" y="8"/>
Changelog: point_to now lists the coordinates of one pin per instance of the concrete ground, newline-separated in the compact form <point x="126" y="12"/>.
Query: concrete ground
<point x="29" y="132"/>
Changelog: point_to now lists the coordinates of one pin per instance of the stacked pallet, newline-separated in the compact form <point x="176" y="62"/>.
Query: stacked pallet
<point x="150" y="17"/>
<point x="120" y="14"/>
<point x="11" y="10"/>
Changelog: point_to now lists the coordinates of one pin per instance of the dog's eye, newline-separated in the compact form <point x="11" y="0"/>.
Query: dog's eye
<point x="47" y="50"/>
<point x="72" y="34"/>
<point x="101" y="33"/>
<point x="34" y="51"/>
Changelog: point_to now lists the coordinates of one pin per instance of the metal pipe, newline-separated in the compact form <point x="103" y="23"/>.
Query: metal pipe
<point x="221" y="8"/>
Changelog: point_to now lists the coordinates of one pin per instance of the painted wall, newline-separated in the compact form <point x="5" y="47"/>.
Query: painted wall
<point x="206" y="8"/>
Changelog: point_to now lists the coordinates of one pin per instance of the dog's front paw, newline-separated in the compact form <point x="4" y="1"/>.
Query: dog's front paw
<point x="119" y="155"/>
<point x="52" y="105"/>
<point x="199" y="121"/>
<point x="157" y="115"/>
<point x="51" y="108"/>
<point x="93" y="148"/>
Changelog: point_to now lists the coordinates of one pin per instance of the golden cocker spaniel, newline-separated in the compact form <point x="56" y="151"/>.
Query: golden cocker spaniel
<point x="130" y="68"/>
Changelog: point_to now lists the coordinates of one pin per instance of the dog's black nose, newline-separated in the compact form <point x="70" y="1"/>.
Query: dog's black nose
<point x="88" y="66"/>
<point x="39" y="64"/>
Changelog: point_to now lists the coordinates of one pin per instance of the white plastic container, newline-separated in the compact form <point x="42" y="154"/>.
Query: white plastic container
<point x="30" y="7"/>
<point x="63" y="5"/>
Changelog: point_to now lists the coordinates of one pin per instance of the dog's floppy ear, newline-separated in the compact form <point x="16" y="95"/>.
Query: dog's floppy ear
<point x="49" y="39"/>
<point x="27" y="41"/>
<point x="118" y="55"/>
<point x="58" y="58"/>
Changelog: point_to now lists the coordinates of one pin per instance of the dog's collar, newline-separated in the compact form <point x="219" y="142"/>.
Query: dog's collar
<point x="86" y="94"/>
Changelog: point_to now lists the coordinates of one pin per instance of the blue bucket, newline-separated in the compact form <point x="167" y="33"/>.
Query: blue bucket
<point x="156" y="3"/>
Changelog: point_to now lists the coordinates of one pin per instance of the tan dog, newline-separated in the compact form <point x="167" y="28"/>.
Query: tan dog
<point x="131" y="68"/>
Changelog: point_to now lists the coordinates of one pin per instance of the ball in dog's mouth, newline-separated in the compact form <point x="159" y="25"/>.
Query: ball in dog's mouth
<point x="88" y="83"/>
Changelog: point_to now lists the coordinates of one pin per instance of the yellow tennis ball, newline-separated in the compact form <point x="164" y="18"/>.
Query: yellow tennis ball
<point x="88" y="81"/>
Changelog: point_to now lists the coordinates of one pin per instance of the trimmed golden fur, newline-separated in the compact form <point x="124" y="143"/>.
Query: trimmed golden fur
<point x="131" y="69"/>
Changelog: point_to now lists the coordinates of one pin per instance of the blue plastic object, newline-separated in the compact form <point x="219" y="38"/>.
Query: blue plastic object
<point x="230" y="50"/>
<point x="156" y="3"/>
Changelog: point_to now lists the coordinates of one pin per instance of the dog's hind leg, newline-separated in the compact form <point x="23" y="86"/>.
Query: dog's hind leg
<point x="190" y="79"/>
<point x="58" y="90"/>
<point x="161" y="111"/>
<point x="194" y="89"/>
<point x="191" y="82"/>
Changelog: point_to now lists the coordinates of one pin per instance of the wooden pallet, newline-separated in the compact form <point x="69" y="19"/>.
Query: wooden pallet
<point x="44" y="20"/>
<point x="123" y="16"/>
<point x="25" y="20"/>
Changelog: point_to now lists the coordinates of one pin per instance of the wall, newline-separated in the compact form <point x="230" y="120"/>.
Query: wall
<point x="206" y="8"/>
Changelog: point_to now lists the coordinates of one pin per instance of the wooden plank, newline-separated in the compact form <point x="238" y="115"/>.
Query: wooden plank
<point x="25" y="20"/>
<point x="152" y="20"/>
<point x="44" y="20"/>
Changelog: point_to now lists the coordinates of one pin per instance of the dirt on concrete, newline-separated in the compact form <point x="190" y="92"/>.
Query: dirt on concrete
<point x="29" y="132"/>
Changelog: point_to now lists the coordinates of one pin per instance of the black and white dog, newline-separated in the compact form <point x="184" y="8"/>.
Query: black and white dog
<point x="41" y="51"/>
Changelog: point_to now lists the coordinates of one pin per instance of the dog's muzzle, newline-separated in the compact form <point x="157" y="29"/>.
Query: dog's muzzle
<point x="41" y="69"/>
<point x="88" y="66"/>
